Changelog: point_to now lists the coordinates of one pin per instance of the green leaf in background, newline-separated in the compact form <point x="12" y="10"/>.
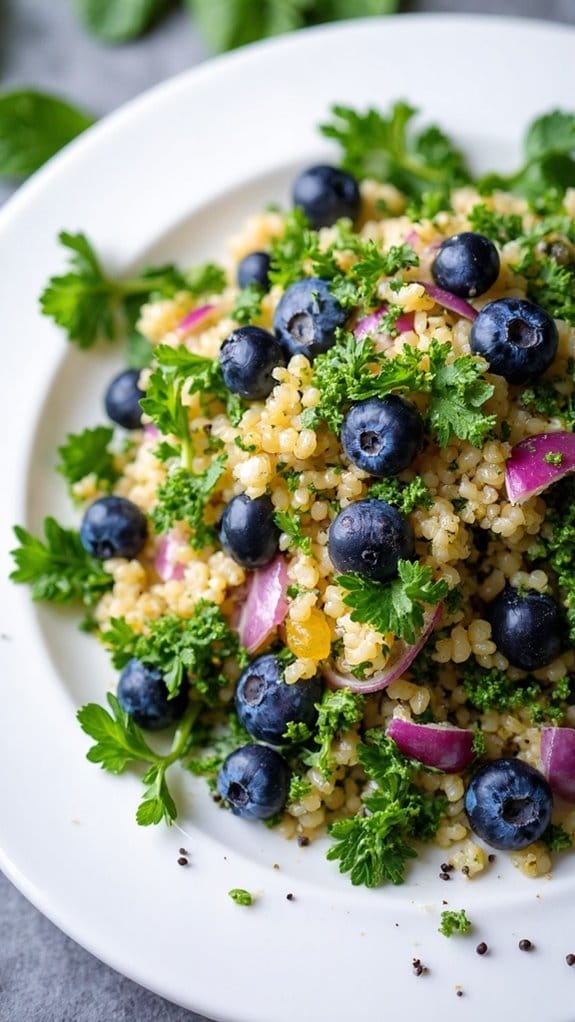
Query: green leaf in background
<point x="117" y="21"/>
<point x="227" y="24"/>
<point x="34" y="126"/>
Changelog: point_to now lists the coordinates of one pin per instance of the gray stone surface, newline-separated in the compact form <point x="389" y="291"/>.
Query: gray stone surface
<point x="44" y="976"/>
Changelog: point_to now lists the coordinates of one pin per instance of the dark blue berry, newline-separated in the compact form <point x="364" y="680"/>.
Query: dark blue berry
<point x="248" y="358"/>
<point x="265" y="704"/>
<point x="122" y="399"/>
<point x="466" y="264"/>
<point x="254" y="269"/>
<point x="248" y="532"/>
<point x="307" y="317"/>
<point x="113" y="527"/>
<point x="382" y="435"/>
<point x="528" y="630"/>
<point x="517" y="338"/>
<point x="369" y="537"/>
<point x="142" y="693"/>
<point x="255" y="781"/>
<point x="326" y="194"/>
<point x="508" y="803"/>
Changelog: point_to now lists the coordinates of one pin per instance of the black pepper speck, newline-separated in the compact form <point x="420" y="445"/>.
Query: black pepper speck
<point x="570" y="959"/>
<point x="525" y="945"/>
<point x="482" y="948"/>
<point x="182" y="861"/>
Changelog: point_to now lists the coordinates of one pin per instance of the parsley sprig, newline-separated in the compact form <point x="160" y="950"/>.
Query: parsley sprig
<point x="376" y="847"/>
<point x="183" y="498"/>
<point x="405" y="496"/>
<point x="339" y="711"/>
<point x="385" y="147"/>
<point x="88" y="304"/>
<point x="454" y="921"/>
<point x="195" y="646"/>
<point x="119" y="743"/>
<point x="88" y="452"/>
<point x="59" y="570"/>
<point x="456" y="390"/>
<point x="396" y="606"/>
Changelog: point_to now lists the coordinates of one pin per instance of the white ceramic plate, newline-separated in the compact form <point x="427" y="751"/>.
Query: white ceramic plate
<point x="169" y="177"/>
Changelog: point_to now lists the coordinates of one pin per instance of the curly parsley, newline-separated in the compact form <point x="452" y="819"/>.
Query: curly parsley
<point x="375" y="846"/>
<point x="454" y="922"/>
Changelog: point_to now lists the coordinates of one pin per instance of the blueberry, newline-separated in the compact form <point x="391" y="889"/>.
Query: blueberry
<point x="382" y="435"/>
<point x="326" y="194"/>
<point x="248" y="532"/>
<point x="528" y="629"/>
<point x="466" y="264"/>
<point x="142" y="693"/>
<point x="113" y="527"/>
<point x="517" y="338"/>
<point x="307" y="317"/>
<point x="248" y="358"/>
<point x="370" y="537"/>
<point x="508" y="803"/>
<point x="122" y="399"/>
<point x="265" y="704"/>
<point x="254" y="269"/>
<point x="255" y="781"/>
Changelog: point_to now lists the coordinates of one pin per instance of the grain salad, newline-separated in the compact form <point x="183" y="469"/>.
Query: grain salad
<point x="327" y="532"/>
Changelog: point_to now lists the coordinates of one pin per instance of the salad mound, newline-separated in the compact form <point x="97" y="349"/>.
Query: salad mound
<point x="327" y="533"/>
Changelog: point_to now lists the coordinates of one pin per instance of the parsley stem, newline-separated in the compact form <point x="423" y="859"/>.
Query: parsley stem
<point x="187" y="453"/>
<point x="182" y="734"/>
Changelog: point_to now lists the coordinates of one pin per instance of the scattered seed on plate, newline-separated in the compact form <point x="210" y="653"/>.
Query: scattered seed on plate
<point x="482" y="948"/>
<point x="182" y="861"/>
<point x="570" y="959"/>
<point x="525" y="945"/>
<point x="302" y="841"/>
<point x="290" y="897"/>
<point x="444" y="876"/>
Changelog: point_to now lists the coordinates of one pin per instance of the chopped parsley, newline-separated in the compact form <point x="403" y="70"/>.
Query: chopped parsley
<point x="396" y="606"/>
<point x="500" y="227"/>
<point x="120" y="742"/>
<point x="296" y="731"/>
<point x="339" y="711"/>
<point x="556" y="838"/>
<point x="219" y="742"/>
<point x="183" y="498"/>
<point x="86" y="453"/>
<point x="548" y="159"/>
<point x="289" y="522"/>
<point x="194" y="647"/>
<point x="59" y="570"/>
<point x="248" y="305"/>
<point x="352" y="370"/>
<point x="88" y="304"/>
<point x="298" y="789"/>
<point x="491" y="688"/>
<point x="405" y="496"/>
<point x="555" y="544"/>
<point x="241" y="896"/>
<point x="553" y="458"/>
<point x="384" y="147"/>
<point x="375" y="845"/>
<point x="454" y="922"/>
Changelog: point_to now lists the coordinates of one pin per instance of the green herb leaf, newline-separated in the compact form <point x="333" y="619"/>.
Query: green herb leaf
<point x="298" y="789"/>
<point x="88" y="452"/>
<point x="492" y="689"/>
<point x="33" y="127"/>
<point x="248" y="305"/>
<point x="384" y="147"/>
<point x="454" y="922"/>
<point x="59" y="570"/>
<point x="395" y="606"/>
<point x="241" y="896"/>
<point x="289" y="522"/>
<point x="405" y="496"/>
<point x="118" y="740"/>
<point x="183" y="498"/>
<point x="556" y="838"/>
<point x="376" y="846"/>
<point x="115" y="22"/>
<point x="457" y="392"/>
<point x="194" y="646"/>
<point x="157" y="804"/>
<point x="549" y="159"/>
<point x="339" y="711"/>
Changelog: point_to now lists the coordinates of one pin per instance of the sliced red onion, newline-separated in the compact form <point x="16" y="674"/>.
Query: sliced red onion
<point x="151" y="431"/>
<point x="266" y="604"/>
<point x="527" y="473"/>
<point x="442" y="746"/>
<point x="194" y="318"/>
<point x="401" y="657"/>
<point x="411" y="238"/>
<point x="167" y="565"/>
<point x="368" y="326"/>
<point x="449" y="301"/>
<point x="558" y="760"/>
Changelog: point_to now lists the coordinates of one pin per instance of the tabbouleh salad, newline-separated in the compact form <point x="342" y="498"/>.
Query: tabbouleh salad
<point x="327" y="535"/>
